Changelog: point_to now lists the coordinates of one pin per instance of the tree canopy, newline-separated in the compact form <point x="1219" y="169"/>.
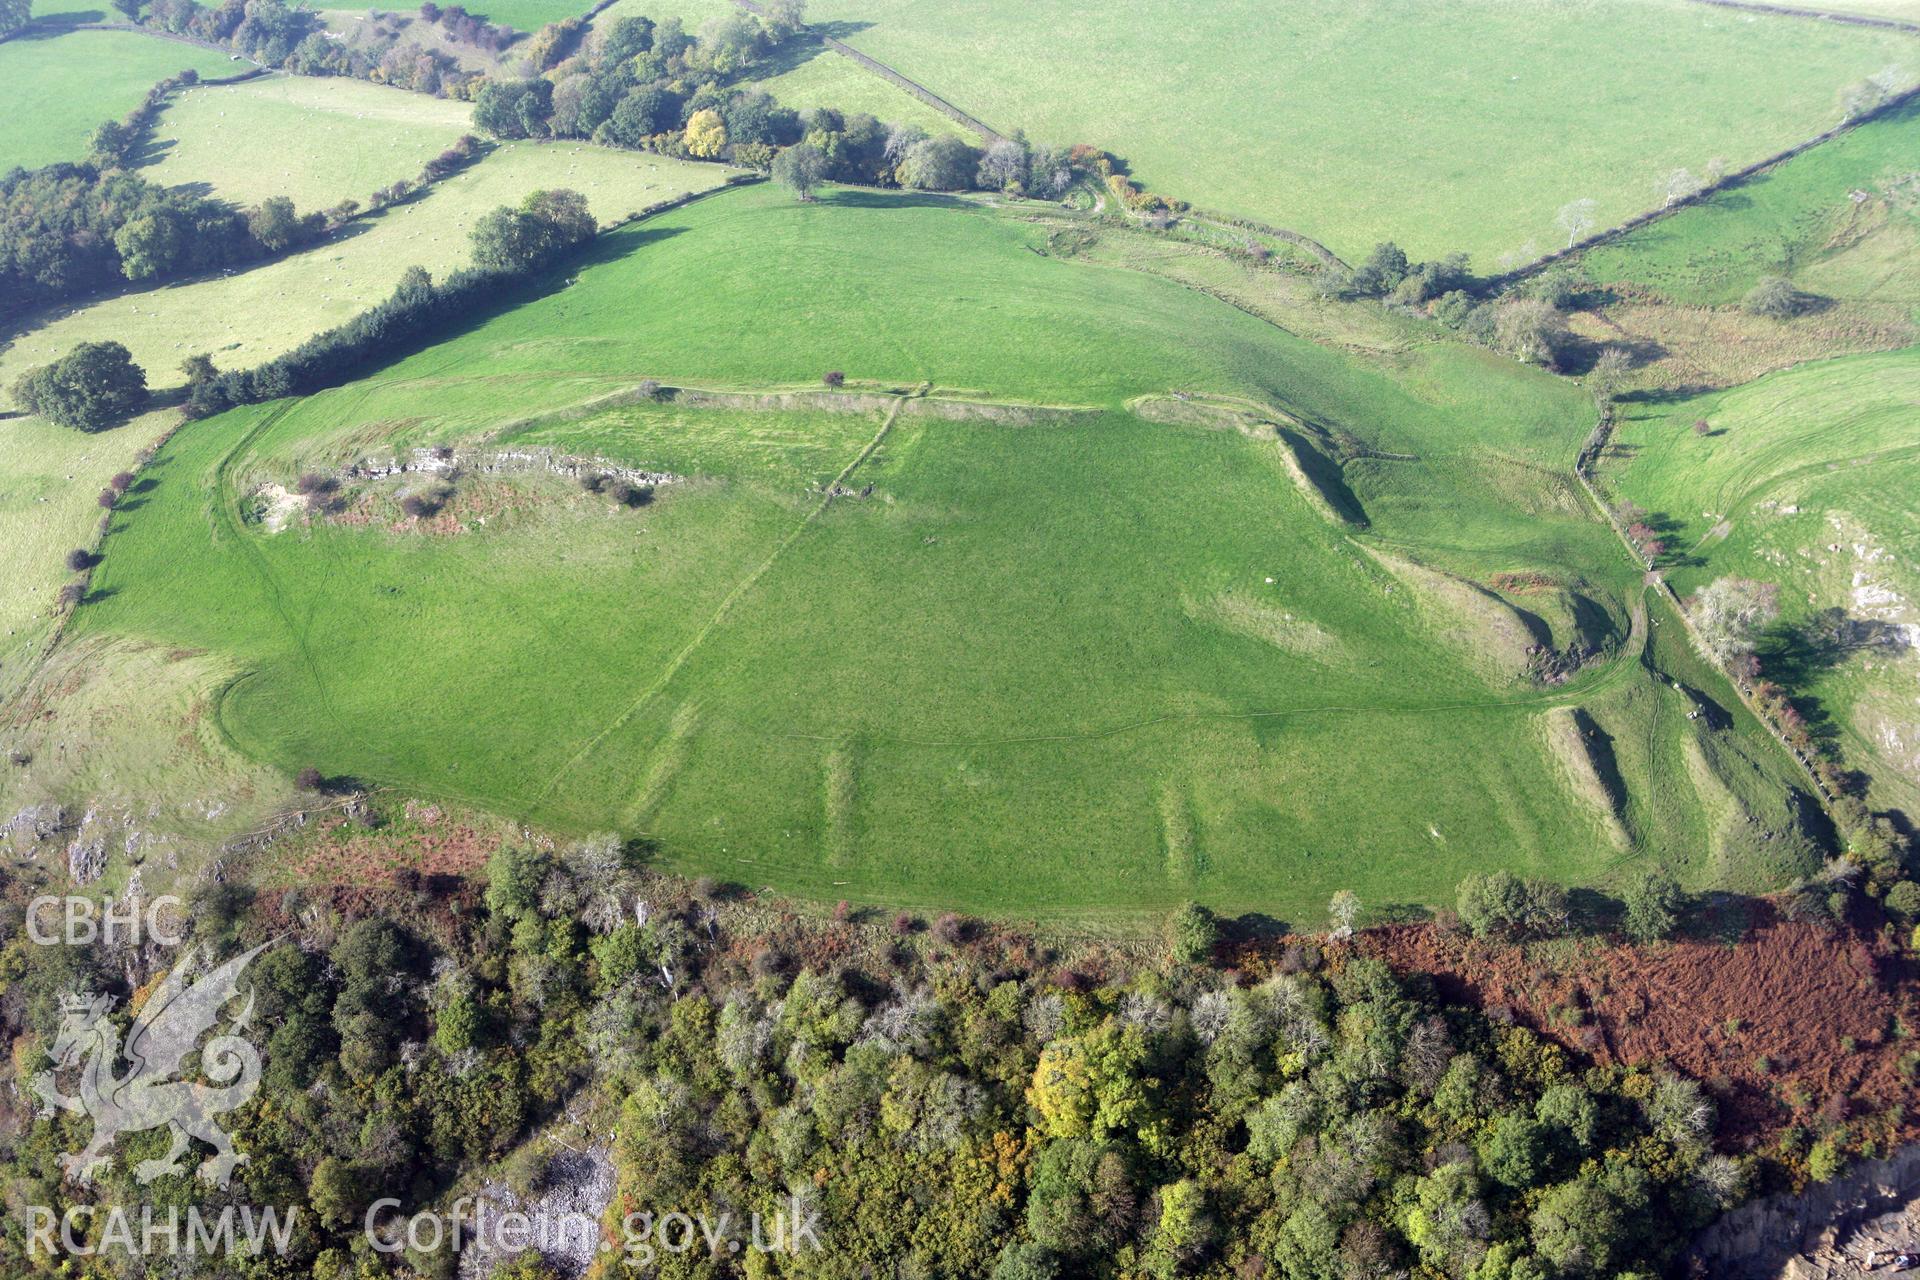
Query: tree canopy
<point x="92" y="387"/>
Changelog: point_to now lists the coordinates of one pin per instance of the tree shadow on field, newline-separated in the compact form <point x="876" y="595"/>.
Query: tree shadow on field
<point x="906" y="200"/>
<point x="604" y="249"/>
<point x="1668" y="530"/>
<point x="1794" y="655"/>
<point x="153" y="151"/>
<point x="49" y="25"/>
<point x="1590" y="912"/>
<point x="1254" y="926"/>
<point x="798" y="52"/>
<point x="1664" y="395"/>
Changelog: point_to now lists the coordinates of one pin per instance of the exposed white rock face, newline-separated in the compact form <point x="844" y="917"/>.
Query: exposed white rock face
<point x="1823" y="1233"/>
<point x="563" y="1215"/>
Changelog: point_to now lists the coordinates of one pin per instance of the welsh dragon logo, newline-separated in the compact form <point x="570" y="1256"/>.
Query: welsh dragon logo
<point x="149" y="1096"/>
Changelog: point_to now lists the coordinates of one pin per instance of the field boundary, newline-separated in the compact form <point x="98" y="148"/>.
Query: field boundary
<point x="1232" y="222"/>
<point x="987" y="133"/>
<point x="1824" y="15"/>
<point x="174" y="36"/>
<point x="1583" y="472"/>
<point x="1701" y="196"/>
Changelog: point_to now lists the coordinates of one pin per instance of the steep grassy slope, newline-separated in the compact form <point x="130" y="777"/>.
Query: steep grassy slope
<point x="1806" y="479"/>
<point x="1840" y="220"/>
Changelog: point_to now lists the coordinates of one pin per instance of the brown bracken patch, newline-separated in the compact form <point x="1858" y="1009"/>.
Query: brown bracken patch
<point x="1792" y="1024"/>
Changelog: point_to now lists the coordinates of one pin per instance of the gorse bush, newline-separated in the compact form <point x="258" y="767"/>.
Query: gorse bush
<point x="1501" y="905"/>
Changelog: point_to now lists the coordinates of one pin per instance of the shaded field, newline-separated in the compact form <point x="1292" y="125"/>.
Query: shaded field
<point x="935" y="657"/>
<point x="1444" y="127"/>
<point x="316" y="140"/>
<point x="65" y="85"/>
<point x="1804" y="479"/>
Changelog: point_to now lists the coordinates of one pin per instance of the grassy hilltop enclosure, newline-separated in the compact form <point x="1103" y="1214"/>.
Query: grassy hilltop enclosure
<point x="1080" y="646"/>
<point x="960" y="634"/>
<point x="64" y="85"/>
<point x="316" y="141"/>
<point x="1806" y="478"/>
<point x="1445" y="127"/>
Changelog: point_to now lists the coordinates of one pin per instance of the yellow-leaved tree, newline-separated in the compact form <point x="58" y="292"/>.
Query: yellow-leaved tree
<point x="706" y="134"/>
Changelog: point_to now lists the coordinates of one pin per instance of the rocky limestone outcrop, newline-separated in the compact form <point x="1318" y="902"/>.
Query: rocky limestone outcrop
<point x="563" y="1216"/>
<point x="1826" y="1231"/>
<point x="501" y="462"/>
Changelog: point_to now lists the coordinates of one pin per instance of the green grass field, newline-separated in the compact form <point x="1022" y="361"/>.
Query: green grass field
<point x="1801" y="219"/>
<point x="692" y="13"/>
<point x="250" y="316"/>
<point x="318" y="141"/>
<point x="49" y="478"/>
<point x="829" y="80"/>
<point x="1462" y="126"/>
<point x="49" y="475"/>
<point x="1082" y="665"/>
<point x="66" y="85"/>
<point x="1806" y="480"/>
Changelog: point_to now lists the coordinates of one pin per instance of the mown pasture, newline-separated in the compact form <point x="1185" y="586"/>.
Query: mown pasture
<point x="1455" y="127"/>
<point x="317" y="141"/>
<point x="65" y="84"/>
<point x="1805" y="478"/>
<point x="1079" y="663"/>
